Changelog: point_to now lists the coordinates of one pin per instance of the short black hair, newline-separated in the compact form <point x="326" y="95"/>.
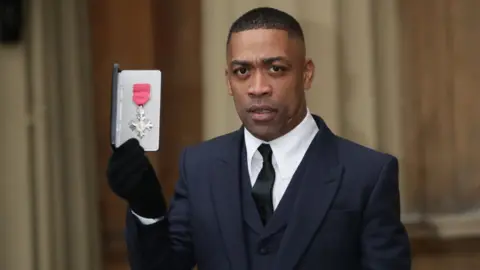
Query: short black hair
<point x="266" y="18"/>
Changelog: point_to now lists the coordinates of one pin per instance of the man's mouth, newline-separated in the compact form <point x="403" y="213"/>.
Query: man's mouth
<point x="262" y="113"/>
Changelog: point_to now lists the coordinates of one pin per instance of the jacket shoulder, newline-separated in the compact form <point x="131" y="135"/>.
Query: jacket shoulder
<point x="351" y="152"/>
<point x="212" y="147"/>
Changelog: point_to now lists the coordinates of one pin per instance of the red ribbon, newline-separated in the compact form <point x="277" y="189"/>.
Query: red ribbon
<point x="141" y="93"/>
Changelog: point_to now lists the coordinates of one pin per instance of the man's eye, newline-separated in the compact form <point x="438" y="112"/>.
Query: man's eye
<point x="276" y="69"/>
<point x="241" y="71"/>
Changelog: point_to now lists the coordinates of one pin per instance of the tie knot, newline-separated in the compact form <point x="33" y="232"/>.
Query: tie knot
<point x="266" y="152"/>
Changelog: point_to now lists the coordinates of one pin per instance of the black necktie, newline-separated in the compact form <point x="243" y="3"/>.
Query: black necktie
<point x="262" y="190"/>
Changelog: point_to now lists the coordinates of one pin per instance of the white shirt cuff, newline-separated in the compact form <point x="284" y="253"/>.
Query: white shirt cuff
<point x="147" y="221"/>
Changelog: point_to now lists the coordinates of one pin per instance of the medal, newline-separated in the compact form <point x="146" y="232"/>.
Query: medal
<point x="141" y="95"/>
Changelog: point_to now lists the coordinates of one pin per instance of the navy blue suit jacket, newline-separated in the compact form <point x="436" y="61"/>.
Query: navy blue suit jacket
<point x="347" y="215"/>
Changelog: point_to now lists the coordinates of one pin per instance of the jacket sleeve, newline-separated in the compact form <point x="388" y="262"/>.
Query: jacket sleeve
<point x="384" y="239"/>
<point x="167" y="243"/>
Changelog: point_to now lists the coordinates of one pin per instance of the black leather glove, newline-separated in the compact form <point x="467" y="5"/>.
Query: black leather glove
<point x="132" y="177"/>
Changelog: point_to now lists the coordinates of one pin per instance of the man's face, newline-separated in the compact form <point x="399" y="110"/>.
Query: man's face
<point x="267" y="75"/>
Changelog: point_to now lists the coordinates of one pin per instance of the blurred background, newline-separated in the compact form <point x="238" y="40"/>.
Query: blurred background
<point x="399" y="76"/>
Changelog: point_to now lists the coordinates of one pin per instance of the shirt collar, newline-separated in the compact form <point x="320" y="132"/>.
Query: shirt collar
<point x="284" y="147"/>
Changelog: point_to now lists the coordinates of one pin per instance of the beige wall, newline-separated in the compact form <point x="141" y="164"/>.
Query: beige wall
<point x="15" y="166"/>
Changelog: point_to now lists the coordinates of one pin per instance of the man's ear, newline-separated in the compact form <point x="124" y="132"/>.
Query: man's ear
<point x="308" y="74"/>
<point x="227" y="80"/>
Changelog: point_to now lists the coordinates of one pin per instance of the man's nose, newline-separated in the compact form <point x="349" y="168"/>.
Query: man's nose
<point x="260" y="85"/>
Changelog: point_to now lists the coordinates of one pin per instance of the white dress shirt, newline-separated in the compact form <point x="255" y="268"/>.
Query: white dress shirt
<point x="288" y="152"/>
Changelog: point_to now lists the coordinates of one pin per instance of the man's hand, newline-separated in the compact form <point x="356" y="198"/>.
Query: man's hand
<point x="132" y="177"/>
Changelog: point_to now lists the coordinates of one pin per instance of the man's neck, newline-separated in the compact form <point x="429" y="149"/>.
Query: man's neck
<point x="292" y="123"/>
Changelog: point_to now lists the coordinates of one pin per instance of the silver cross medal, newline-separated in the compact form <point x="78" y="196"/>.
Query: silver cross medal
<point x="141" y="125"/>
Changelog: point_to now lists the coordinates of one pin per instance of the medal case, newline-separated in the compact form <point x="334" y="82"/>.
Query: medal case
<point x="135" y="107"/>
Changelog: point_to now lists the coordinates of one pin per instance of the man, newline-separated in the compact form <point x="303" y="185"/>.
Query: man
<point x="282" y="192"/>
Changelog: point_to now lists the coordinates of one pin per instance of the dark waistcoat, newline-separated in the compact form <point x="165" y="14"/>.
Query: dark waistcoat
<point x="262" y="242"/>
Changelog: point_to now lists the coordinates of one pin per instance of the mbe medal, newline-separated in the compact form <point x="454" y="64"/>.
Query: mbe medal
<point x="141" y="95"/>
<point x="135" y="107"/>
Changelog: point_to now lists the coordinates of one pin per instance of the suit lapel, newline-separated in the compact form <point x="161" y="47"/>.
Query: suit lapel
<point x="225" y="188"/>
<point x="318" y="188"/>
